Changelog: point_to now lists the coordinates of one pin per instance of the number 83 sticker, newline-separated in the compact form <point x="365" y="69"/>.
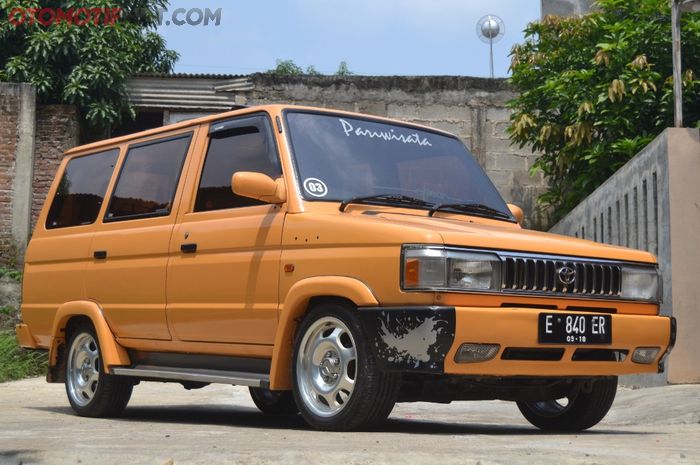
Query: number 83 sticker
<point x="315" y="187"/>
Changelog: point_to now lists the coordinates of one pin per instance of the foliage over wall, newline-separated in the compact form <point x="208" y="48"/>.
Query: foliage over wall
<point x="86" y="65"/>
<point x="289" y="68"/>
<point x="594" y="90"/>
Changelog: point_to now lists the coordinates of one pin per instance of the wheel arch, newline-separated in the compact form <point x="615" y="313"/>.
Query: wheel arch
<point x="68" y="316"/>
<point x="302" y="296"/>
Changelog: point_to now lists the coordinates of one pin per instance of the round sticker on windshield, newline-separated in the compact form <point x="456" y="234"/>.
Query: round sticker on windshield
<point x="315" y="187"/>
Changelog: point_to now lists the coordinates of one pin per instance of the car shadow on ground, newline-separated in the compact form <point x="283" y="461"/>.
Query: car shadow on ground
<point x="244" y="417"/>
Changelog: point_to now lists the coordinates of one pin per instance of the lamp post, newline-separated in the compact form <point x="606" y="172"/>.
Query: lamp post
<point x="678" y="7"/>
<point x="490" y="30"/>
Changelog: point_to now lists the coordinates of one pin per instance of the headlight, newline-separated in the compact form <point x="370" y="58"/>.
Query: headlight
<point x="640" y="283"/>
<point x="433" y="268"/>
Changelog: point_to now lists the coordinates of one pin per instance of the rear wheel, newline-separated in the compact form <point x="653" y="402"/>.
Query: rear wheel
<point x="274" y="402"/>
<point x="91" y="391"/>
<point x="337" y="384"/>
<point x="583" y="407"/>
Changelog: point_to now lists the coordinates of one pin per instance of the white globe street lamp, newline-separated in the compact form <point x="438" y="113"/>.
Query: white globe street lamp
<point x="490" y="30"/>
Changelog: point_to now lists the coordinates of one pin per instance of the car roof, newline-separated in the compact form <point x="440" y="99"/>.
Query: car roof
<point x="273" y="108"/>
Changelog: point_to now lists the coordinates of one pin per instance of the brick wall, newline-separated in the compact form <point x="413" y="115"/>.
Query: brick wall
<point x="9" y="115"/>
<point x="57" y="130"/>
<point x="32" y="141"/>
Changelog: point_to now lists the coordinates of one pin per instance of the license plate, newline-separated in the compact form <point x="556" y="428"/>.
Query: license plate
<point x="569" y="328"/>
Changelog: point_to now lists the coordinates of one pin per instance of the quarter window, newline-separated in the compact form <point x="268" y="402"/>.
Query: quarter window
<point x="238" y="145"/>
<point x="148" y="179"/>
<point x="81" y="190"/>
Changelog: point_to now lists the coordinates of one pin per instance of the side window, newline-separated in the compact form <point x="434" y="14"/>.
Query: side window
<point x="148" y="179"/>
<point x="238" y="145"/>
<point x="81" y="190"/>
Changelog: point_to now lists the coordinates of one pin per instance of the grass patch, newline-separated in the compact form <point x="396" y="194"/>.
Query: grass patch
<point x="18" y="363"/>
<point x="11" y="273"/>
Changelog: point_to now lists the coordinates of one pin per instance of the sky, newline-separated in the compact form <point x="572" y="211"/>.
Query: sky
<point x="374" y="37"/>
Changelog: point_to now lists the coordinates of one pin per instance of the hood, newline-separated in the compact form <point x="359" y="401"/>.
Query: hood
<point x="499" y="235"/>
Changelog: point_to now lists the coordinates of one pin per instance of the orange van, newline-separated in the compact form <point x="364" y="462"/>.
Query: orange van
<point x="336" y="264"/>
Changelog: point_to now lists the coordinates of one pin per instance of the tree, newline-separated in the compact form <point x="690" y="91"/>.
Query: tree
<point x="343" y="70"/>
<point x="312" y="71"/>
<point x="286" y="68"/>
<point x="86" y="63"/>
<point x="594" y="90"/>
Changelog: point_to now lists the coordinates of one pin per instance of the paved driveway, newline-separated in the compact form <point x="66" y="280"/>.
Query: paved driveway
<point x="165" y="424"/>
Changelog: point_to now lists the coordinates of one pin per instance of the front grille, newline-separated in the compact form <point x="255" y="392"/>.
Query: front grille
<point x="542" y="276"/>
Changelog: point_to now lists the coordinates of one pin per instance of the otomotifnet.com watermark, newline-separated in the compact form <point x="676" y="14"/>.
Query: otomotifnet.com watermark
<point x="109" y="16"/>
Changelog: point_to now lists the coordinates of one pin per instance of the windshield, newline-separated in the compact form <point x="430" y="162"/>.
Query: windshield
<point x="339" y="158"/>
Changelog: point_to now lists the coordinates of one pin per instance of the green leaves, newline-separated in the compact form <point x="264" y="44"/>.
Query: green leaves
<point x="594" y="90"/>
<point x="85" y="65"/>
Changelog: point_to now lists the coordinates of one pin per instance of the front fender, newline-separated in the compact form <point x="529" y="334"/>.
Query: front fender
<point x="295" y="304"/>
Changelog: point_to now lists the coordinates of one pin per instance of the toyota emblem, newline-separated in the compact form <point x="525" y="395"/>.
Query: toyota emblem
<point x="567" y="275"/>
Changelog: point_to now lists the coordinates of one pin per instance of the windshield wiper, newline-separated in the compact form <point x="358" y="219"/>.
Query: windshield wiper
<point x="387" y="199"/>
<point x="478" y="208"/>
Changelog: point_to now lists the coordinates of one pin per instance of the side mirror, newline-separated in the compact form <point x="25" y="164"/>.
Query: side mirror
<point x="517" y="212"/>
<point x="259" y="186"/>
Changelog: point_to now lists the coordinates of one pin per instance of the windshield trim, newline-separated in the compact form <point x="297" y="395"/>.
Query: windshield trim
<point x="379" y="120"/>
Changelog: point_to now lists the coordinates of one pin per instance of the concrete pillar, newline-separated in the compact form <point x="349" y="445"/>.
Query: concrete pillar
<point x="24" y="169"/>
<point x="684" y="203"/>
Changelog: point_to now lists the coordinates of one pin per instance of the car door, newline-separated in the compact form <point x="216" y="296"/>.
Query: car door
<point x="223" y="273"/>
<point x="129" y="249"/>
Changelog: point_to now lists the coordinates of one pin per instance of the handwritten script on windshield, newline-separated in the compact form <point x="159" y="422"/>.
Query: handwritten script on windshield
<point x="388" y="135"/>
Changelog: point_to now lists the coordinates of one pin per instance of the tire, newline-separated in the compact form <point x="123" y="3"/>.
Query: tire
<point x="274" y="402"/>
<point x="584" y="409"/>
<point x="92" y="392"/>
<point x="336" y="382"/>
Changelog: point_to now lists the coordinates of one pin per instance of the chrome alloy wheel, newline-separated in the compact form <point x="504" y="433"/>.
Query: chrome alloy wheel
<point x="83" y="370"/>
<point x="326" y="366"/>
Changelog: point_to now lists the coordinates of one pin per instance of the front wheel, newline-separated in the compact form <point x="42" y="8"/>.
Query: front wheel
<point x="337" y="384"/>
<point x="91" y="391"/>
<point x="583" y="407"/>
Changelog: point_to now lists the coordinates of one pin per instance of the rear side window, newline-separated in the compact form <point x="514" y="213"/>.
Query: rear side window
<point x="148" y="179"/>
<point x="244" y="144"/>
<point x="81" y="190"/>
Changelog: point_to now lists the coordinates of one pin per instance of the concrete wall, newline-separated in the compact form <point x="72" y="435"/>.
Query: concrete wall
<point x="17" y="110"/>
<point x="652" y="203"/>
<point x="474" y="109"/>
<point x="31" y="144"/>
<point x="566" y="7"/>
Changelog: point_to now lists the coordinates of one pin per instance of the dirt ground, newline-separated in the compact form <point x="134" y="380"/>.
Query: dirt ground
<point x="164" y="424"/>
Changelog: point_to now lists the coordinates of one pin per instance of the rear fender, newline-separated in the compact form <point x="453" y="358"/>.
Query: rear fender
<point x="112" y="353"/>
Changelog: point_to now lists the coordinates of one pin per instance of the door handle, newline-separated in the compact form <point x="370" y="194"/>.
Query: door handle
<point x="188" y="248"/>
<point x="100" y="254"/>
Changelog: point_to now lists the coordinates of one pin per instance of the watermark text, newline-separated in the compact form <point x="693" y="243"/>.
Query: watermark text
<point x="73" y="16"/>
<point x="190" y="17"/>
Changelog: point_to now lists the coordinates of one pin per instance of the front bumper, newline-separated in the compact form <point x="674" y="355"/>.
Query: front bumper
<point x="426" y="339"/>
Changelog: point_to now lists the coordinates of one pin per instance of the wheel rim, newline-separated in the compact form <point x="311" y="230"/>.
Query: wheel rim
<point x="554" y="408"/>
<point x="83" y="369"/>
<point x="327" y="367"/>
